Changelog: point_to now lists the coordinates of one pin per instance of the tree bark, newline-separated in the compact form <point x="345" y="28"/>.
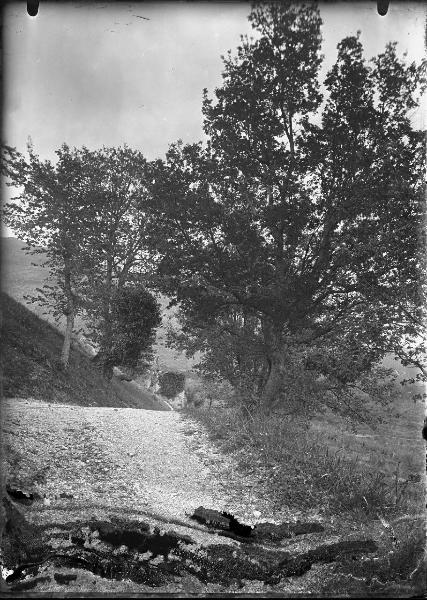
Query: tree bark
<point x="65" y="352"/>
<point x="107" y="337"/>
<point x="70" y="314"/>
<point x="271" y="393"/>
<point x="276" y="359"/>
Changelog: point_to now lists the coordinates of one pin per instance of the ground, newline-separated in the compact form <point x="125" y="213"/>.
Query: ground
<point x="86" y="466"/>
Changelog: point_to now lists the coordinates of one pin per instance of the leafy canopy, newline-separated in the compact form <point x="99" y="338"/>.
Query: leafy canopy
<point x="301" y="217"/>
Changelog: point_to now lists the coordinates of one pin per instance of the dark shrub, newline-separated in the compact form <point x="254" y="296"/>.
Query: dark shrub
<point x="171" y="384"/>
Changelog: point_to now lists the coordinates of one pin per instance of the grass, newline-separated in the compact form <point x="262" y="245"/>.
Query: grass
<point x="373" y="483"/>
<point x="30" y="369"/>
<point x="329" y="465"/>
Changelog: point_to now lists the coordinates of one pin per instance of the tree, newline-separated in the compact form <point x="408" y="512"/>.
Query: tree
<point x="51" y="215"/>
<point x="118" y="241"/>
<point x="134" y="317"/>
<point x="87" y="213"/>
<point x="310" y="230"/>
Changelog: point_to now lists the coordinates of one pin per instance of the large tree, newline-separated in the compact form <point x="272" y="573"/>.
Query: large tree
<point x="305" y="218"/>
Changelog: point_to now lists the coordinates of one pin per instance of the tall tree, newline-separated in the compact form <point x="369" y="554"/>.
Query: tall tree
<point x="118" y="240"/>
<point x="51" y="214"/>
<point x="312" y="230"/>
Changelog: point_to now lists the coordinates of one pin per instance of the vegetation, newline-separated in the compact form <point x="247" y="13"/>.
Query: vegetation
<point x="171" y="384"/>
<point x="52" y="216"/>
<point x="119" y="242"/>
<point x="31" y="368"/>
<point x="331" y="468"/>
<point x="372" y="481"/>
<point x="135" y="314"/>
<point x="91" y="224"/>
<point x="292" y="243"/>
<point x="292" y="239"/>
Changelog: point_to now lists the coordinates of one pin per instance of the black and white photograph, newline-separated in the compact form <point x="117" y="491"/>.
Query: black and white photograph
<point x="213" y="299"/>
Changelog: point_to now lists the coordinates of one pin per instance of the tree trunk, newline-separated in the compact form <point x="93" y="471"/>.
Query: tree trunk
<point x="276" y="359"/>
<point x="271" y="392"/>
<point x="107" y="337"/>
<point x="65" y="352"/>
<point x="107" y="368"/>
<point x="70" y="314"/>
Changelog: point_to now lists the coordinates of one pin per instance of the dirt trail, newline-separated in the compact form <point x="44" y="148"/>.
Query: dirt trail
<point x="119" y="458"/>
<point x="88" y="464"/>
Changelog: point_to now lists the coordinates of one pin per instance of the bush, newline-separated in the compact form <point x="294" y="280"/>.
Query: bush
<point x="171" y="384"/>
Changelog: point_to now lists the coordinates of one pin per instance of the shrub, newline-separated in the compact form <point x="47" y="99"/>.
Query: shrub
<point x="171" y="384"/>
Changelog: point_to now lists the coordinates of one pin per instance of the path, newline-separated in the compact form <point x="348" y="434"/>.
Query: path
<point x="92" y="464"/>
<point x="120" y="458"/>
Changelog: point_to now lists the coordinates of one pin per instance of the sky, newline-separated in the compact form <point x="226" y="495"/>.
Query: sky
<point x="111" y="73"/>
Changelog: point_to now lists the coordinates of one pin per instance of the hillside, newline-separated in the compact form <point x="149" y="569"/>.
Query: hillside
<point x="23" y="273"/>
<point x="30" y="369"/>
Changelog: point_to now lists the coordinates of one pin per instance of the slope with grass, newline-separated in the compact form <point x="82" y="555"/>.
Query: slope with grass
<point x="30" y="367"/>
<point x="22" y="273"/>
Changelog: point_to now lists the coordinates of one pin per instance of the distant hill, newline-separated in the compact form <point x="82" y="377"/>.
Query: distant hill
<point x="22" y="273"/>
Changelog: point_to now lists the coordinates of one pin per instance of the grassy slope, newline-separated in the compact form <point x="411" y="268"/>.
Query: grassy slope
<point x="364" y="481"/>
<point x="30" y="351"/>
<point x="20" y="277"/>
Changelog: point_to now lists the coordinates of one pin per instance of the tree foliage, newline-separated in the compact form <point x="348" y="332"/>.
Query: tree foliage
<point x="51" y="213"/>
<point x="87" y="213"/>
<point x="119" y="199"/>
<point x="135" y="317"/>
<point x="171" y="383"/>
<point x="301" y="219"/>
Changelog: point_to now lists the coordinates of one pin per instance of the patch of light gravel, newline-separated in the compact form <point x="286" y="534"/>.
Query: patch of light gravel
<point x="111" y="459"/>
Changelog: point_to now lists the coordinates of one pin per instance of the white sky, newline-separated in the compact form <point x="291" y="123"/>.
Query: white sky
<point x="95" y="74"/>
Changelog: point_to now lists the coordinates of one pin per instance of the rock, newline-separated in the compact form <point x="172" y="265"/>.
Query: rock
<point x="211" y="518"/>
<point x="275" y="533"/>
<point x="261" y="532"/>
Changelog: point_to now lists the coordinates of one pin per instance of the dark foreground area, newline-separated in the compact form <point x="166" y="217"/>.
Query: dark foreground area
<point x="120" y="549"/>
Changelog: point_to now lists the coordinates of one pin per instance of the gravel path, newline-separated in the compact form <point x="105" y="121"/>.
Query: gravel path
<point x="123" y="460"/>
<point x="90" y="463"/>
